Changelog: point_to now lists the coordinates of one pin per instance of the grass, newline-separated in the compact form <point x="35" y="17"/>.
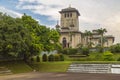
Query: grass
<point x="16" y="66"/>
<point x="52" y="66"/>
<point x="60" y="66"/>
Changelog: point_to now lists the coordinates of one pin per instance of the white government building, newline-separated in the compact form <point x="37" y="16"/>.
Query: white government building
<point x="70" y="34"/>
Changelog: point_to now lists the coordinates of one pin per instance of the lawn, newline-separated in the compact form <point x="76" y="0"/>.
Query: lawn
<point x="16" y="66"/>
<point x="51" y="66"/>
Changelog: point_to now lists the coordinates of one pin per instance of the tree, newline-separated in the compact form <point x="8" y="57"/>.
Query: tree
<point x="25" y="37"/>
<point x="88" y="36"/>
<point x="115" y="48"/>
<point x="14" y="37"/>
<point x="101" y="31"/>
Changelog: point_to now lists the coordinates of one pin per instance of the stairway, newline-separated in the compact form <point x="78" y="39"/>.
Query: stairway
<point x="4" y="70"/>
<point x="89" y="68"/>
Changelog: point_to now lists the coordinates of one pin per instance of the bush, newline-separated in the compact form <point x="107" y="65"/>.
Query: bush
<point x="56" y="57"/>
<point x="69" y="51"/>
<point x="72" y="51"/>
<point x="85" y="51"/>
<point x="65" y="51"/>
<point x="118" y="59"/>
<point x="37" y="58"/>
<point x="31" y="59"/>
<point x="100" y="49"/>
<point x="61" y="57"/>
<point x="115" y="48"/>
<point x="108" y="56"/>
<point x="51" y="58"/>
<point x="44" y="57"/>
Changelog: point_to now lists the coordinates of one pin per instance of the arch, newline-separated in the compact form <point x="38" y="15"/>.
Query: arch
<point x="64" y="42"/>
<point x="70" y="14"/>
<point x="65" y="15"/>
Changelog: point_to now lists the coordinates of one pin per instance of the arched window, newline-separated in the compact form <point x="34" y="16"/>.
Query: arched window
<point x="70" y="14"/>
<point x="64" y="42"/>
<point x="65" y="15"/>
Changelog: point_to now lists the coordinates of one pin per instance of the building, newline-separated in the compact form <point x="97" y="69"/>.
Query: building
<point x="69" y="30"/>
<point x="108" y="40"/>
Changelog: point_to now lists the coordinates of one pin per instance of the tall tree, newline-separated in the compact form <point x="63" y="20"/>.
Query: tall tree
<point x="42" y="36"/>
<point x="102" y="31"/>
<point x="88" y="36"/>
<point x="13" y="37"/>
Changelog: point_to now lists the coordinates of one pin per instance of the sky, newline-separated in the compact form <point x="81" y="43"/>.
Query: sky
<point x="95" y="14"/>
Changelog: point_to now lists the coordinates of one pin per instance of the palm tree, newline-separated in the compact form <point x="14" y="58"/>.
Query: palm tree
<point x="88" y="35"/>
<point x="101" y="32"/>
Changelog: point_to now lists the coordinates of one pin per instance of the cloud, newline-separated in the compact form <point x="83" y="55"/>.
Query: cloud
<point x="10" y="12"/>
<point x="112" y="24"/>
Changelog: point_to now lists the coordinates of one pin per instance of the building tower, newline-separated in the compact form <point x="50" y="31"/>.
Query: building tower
<point x="69" y="24"/>
<point x="69" y="19"/>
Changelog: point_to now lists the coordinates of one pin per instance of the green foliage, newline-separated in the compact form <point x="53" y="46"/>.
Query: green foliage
<point x="118" y="59"/>
<point x="85" y="50"/>
<point x="56" y="57"/>
<point x="100" y="49"/>
<point x="108" y="56"/>
<point x="52" y="66"/>
<point x="51" y="57"/>
<point x="44" y="58"/>
<point x="69" y="51"/>
<point x="96" y="56"/>
<point x="37" y="58"/>
<point x="16" y="66"/>
<point x="31" y="59"/>
<point x="115" y="48"/>
<point x="65" y="51"/>
<point x="14" y="37"/>
<point x="24" y="37"/>
<point x="72" y="51"/>
<point x="61" y="57"/>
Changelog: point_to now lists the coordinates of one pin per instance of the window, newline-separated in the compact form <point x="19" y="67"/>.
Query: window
<point x="70" y="14"/>
<point x="64" y="42"/>
<point x="65" y="15"/>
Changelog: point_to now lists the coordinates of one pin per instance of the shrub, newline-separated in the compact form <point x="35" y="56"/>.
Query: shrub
<point x="44" y="57"/>
<point x="72" y="51"/>
<point x="118" y="59"/>
<point x="108" y="56"/>
<point x="31" y="59"/>
<point x="37" y="58"/>
<point x="65" y="51"/>
<point x="100" y="49"/>
<point x="115" y="48"/>
<point x="61" y="57"/>
<point x="51" y="58"/>
<point x="69" y="51"/>
<point x="85" y="51"/>
<point x="56" y="57"/>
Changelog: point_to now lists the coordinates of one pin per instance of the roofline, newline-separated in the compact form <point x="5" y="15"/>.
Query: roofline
<point x="70" y="11"/>
<point x="70" y="31"/>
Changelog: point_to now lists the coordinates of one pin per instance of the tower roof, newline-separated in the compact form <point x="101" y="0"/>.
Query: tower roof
<point x="70" y="9"/>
